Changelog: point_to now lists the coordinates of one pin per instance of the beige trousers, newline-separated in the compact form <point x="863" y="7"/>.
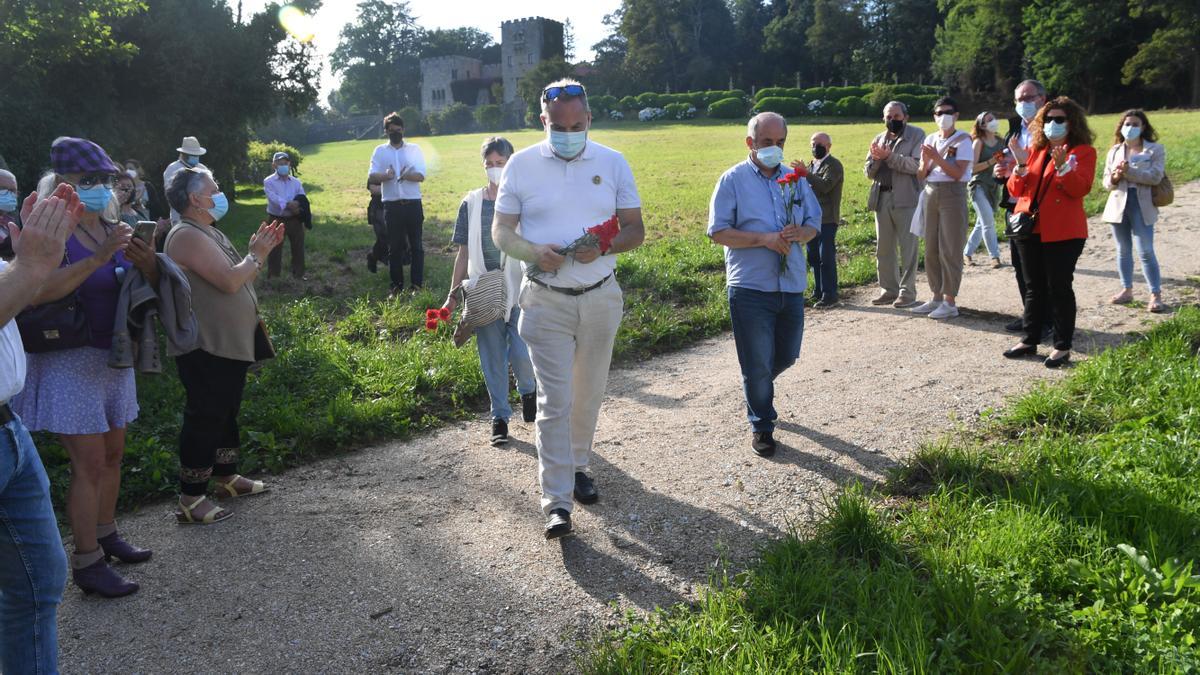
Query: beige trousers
<point x="945" y="236"/>
<point x="893" y="230"/>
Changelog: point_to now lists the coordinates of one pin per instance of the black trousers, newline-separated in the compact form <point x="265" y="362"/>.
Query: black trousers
<point x="1049" y="273"/>
<point x="404" y="220"/>
<point x="209" y="439"/>
<point x="379" y="227"/>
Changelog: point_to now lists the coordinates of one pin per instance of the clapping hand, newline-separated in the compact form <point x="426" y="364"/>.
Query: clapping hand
<point x="1118" y="173"/>
<point x="48" y="224"/>
<point x="1059" y="154"/>
<point x="117" y="240"/>
<point x="1019" y="153"/>
<point x="390" y="173"/>
<point x="880" y="153"/>
<point x="268" y="236"/>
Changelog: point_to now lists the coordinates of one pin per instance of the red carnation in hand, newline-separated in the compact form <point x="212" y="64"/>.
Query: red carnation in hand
<point x="799" y="171"/>
<point x="431" y="325"/>
<point x="444" y="314"/>
<point x="605" y="232"/>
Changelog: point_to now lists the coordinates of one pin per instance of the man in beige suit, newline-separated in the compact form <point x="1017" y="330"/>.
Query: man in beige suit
<point x="892" y="164"/>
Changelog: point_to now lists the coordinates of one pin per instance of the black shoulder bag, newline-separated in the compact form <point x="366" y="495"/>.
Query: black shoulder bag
<point x="1020" y="225"/>
<point x="54" y="326"/>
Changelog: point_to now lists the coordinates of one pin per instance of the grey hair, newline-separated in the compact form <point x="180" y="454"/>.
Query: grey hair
<point x="498" y="145"/>
<point x="46" y="184"/>
<point x="5" y="173"/>
<point x="896" y="104"/>
<point x="562" y="83"/>
<point x="183" y="184"/>
<point x="50" y="182"/>
<point x="1037" y="86"/>
<point x="752" y="125"/>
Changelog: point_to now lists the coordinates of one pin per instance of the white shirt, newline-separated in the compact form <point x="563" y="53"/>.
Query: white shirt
<point x="1025" y="138"/>
<point x="962" y="150"/>
<point x="279" y="191"/>
<point x="172" y="169"/>
<point x="407" y="157"/>
<point x="557" y="200"/>
<point x="12" y="359"/>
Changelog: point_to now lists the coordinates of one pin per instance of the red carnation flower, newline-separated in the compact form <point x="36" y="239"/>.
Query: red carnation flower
<point x="431" y="325"/>
<point x="444" y="314"/>
<point x="431" y="314"/>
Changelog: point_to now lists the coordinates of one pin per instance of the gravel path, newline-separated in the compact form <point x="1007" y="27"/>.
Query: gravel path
<point x="427" y="555"/>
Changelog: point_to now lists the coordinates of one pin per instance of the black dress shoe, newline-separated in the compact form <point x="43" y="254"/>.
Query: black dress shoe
<point x="499" y="431"/>
<point x="1059" y="362"/>
<point x="1019" y="351"/>
<point x="529" y="407"/>
<point x="558" y="523"/>
<point x="763" y="444"/>
<point x="585" y="489"/>
<point x="1015" y="326"/>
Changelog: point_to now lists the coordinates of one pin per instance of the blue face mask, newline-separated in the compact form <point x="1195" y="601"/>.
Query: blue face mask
<point x="1056" y="130"/>
<point x="8" y="201"/>
<point x="191" y="160"/>
<point x="1130" y="134"/>
<point x="95" y="199"/>
<point x="220" y="206"/>
<point x="568" y="144"/>
<point x="283" y="169"/>
<point x="770" y="156"/>
<point x="1027" y="109"/>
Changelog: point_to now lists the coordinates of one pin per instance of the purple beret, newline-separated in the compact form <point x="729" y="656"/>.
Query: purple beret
<point x="79" y="155"/>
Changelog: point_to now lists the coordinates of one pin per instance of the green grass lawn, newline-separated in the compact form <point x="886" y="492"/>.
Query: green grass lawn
<point x="354" y="368"/>
<point x="1061" y="538"/>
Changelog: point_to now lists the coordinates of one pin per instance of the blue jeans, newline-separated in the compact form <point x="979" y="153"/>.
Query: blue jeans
<point x="985" y="223"/>
<point x="1133" y="227"/>
<point x="499" y="347"/>
<point x="33" y="564"/>
<point x="822" y="258"/>
<point x="767" y="329"/>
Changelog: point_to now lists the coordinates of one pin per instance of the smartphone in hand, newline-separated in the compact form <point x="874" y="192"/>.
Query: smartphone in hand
<point x="145" y="231"/>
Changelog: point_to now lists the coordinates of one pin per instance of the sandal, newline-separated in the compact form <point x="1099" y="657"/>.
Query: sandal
<point x="215" y="515"/>
<point x="229" y="490"/>
<point x="1156" y="306"/>
<point x="1123" y="298"/>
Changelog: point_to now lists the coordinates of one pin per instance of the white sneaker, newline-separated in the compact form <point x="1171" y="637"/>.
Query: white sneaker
<point x="946" y="311"/>
<point x="927" y="307"/>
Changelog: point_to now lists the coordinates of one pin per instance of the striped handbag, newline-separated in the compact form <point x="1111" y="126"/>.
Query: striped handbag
<point x="486" y="300"/>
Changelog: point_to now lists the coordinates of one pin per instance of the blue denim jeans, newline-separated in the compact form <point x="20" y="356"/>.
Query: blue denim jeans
<point x="1133" y="233"/>
<point x="822" y="259"/>
<point x="985" y="223"/>
<point x="33" y="564"/>
<point x="767" y="329"/>
<point x="500" y="347"/>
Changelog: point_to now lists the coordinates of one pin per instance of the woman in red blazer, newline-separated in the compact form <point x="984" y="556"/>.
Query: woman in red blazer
<point x="1058" y="174"/>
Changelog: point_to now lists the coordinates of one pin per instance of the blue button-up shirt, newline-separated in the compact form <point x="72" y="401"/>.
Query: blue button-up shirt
<point x="749" y="201"/>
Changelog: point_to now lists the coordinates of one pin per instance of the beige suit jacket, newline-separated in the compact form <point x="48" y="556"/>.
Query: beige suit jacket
<point x="904" y="163"/>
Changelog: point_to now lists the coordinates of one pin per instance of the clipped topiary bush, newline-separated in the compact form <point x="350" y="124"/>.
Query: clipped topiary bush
<point x="489" y="118"/>
<point x="853" y="106"/>
<point x="258" y="160"/>
<point x="649" y="100"/>
<point x="455" y="118"/>
<point x="727" y="108"/>
<point x="788" y="107"/>
<point x="414" y="121"/>
<point x="680" y="111"/>
<point x="770" y="92"/>
<point x="629" y="103"/>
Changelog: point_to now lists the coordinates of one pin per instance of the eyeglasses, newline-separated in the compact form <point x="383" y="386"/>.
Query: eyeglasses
<point x="125" y="188"/>
<point x="552" y="93"/>
<point x="939" y="113"/>
<point x="92" y="180"/>
<point x="1057" y="118"/>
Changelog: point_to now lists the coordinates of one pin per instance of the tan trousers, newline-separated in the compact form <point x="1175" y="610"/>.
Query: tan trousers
<point x="893" y="232"/>
<point x="945" y="236"/>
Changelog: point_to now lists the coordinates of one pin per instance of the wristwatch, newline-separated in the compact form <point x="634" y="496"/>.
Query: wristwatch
<point x="255" y="259"/>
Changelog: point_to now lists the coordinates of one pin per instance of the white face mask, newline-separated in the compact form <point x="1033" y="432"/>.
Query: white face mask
<point x="1131" y="133"/>
<point x="993" y="126"/>
<point x="945" y="122"/>
<point x="493" y="174"/>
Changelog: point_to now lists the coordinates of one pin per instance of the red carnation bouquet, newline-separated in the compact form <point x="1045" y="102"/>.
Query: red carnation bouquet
<point x="435" y="316"/>
<point x="790" y="190"/>
<point x="601" y="236"/>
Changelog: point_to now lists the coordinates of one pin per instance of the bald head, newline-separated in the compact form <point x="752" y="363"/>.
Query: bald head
<point x="822" y="138"/>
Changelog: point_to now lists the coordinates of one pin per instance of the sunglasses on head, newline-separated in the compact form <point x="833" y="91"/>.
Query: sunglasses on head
<point x="94" y="179"/>
<point x="1061" y="119"/>
<point x="552" y="93"/>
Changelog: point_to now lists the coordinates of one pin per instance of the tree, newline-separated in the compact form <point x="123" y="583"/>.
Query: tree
<point x="468" y="41"/>
<point x="980" y="44"/>
<point x="677" y="45"/>
<point x="378" y="57"/>
<point x="568" y="41"/>
<point x="609" y="60"/>
<point x="837" y="30"/>
<point x="787" y="42"/>
<point x="1054" y="31"/>
<point x="1172" y="51"/>
<point x="750" y="19"/>
<point x="894" y="28"/>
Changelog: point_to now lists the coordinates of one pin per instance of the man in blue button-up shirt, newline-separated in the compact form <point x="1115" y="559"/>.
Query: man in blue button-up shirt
<point x="763" y="226"/>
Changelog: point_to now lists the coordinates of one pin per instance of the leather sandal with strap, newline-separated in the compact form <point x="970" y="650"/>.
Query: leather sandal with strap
<point x="229" y="490"/>
<point x="215" y="515"/>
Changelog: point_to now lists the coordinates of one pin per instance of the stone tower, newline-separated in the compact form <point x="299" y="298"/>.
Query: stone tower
<point x="523" y="44"/>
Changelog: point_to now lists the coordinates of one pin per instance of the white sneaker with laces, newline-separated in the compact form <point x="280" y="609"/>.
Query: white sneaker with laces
<point x="946" y="311"/>
<point x="927" y="307"/>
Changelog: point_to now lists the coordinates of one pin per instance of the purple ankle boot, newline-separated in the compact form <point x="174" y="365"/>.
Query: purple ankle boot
<point x="116" y="547"/>
<point x="100" y="578"/>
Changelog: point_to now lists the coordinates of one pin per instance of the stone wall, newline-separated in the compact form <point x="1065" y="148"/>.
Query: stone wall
<point x="436" y="75"/>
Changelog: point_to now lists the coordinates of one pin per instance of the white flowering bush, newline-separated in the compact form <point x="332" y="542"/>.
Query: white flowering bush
<point x="651" y="114"/>
<point x="616" y="115"/>
<point x="815" y="107"/>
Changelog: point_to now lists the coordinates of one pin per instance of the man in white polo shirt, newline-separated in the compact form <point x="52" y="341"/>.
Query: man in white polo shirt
<point x="569" y="314"/>
<point x="399" y="169"/>
<point x="33" y="564"/>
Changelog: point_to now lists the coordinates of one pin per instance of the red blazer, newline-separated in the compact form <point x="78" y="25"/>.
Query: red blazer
<point x="1061" y="215"/>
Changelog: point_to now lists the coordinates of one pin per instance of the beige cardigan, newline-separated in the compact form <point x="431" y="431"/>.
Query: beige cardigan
<point x="1143" y="177"/>
<point x="904" y="163"/>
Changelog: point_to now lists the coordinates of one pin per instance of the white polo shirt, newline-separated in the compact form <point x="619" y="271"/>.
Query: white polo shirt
<point x="557" y="200"/>
<point x="12" y="359"/>
<point x="959" y="148"/>
<point x="407" y="157"/>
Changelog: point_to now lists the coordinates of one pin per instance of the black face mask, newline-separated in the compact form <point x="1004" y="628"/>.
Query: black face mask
<point x="819" y="152"/>
<point x="396" y="136"/>
<point x="895" y="126"/>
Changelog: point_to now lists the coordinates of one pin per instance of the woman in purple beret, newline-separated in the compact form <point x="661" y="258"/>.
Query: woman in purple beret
<point x="72" y="392"/>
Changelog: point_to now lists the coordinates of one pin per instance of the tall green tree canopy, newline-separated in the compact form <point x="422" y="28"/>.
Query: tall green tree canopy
<point x="1171" y="56"/>
<point x="378" y="57"/>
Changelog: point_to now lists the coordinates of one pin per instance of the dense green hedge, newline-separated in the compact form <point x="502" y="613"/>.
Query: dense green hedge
<point x="838" y="93"/>
<point x="258" y="160"/>
<point x="727" y="108"/>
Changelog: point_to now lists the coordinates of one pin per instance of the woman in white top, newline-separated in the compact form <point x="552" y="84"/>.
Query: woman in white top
<point x="1135" y="163"/>
<point x="946" y="158"/>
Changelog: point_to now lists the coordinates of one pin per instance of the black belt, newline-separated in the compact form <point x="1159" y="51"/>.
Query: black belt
<point x="570" y="291"/>
<point x="885" y="188"/>
<point x="404" y="201"/>
<point x="6" y="414"/>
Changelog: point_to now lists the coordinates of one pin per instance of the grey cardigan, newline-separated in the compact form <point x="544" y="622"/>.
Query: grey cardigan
<point x="135" y="343"/>
<point x="1142" y="177"/>
<point x="904" y="163"/>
